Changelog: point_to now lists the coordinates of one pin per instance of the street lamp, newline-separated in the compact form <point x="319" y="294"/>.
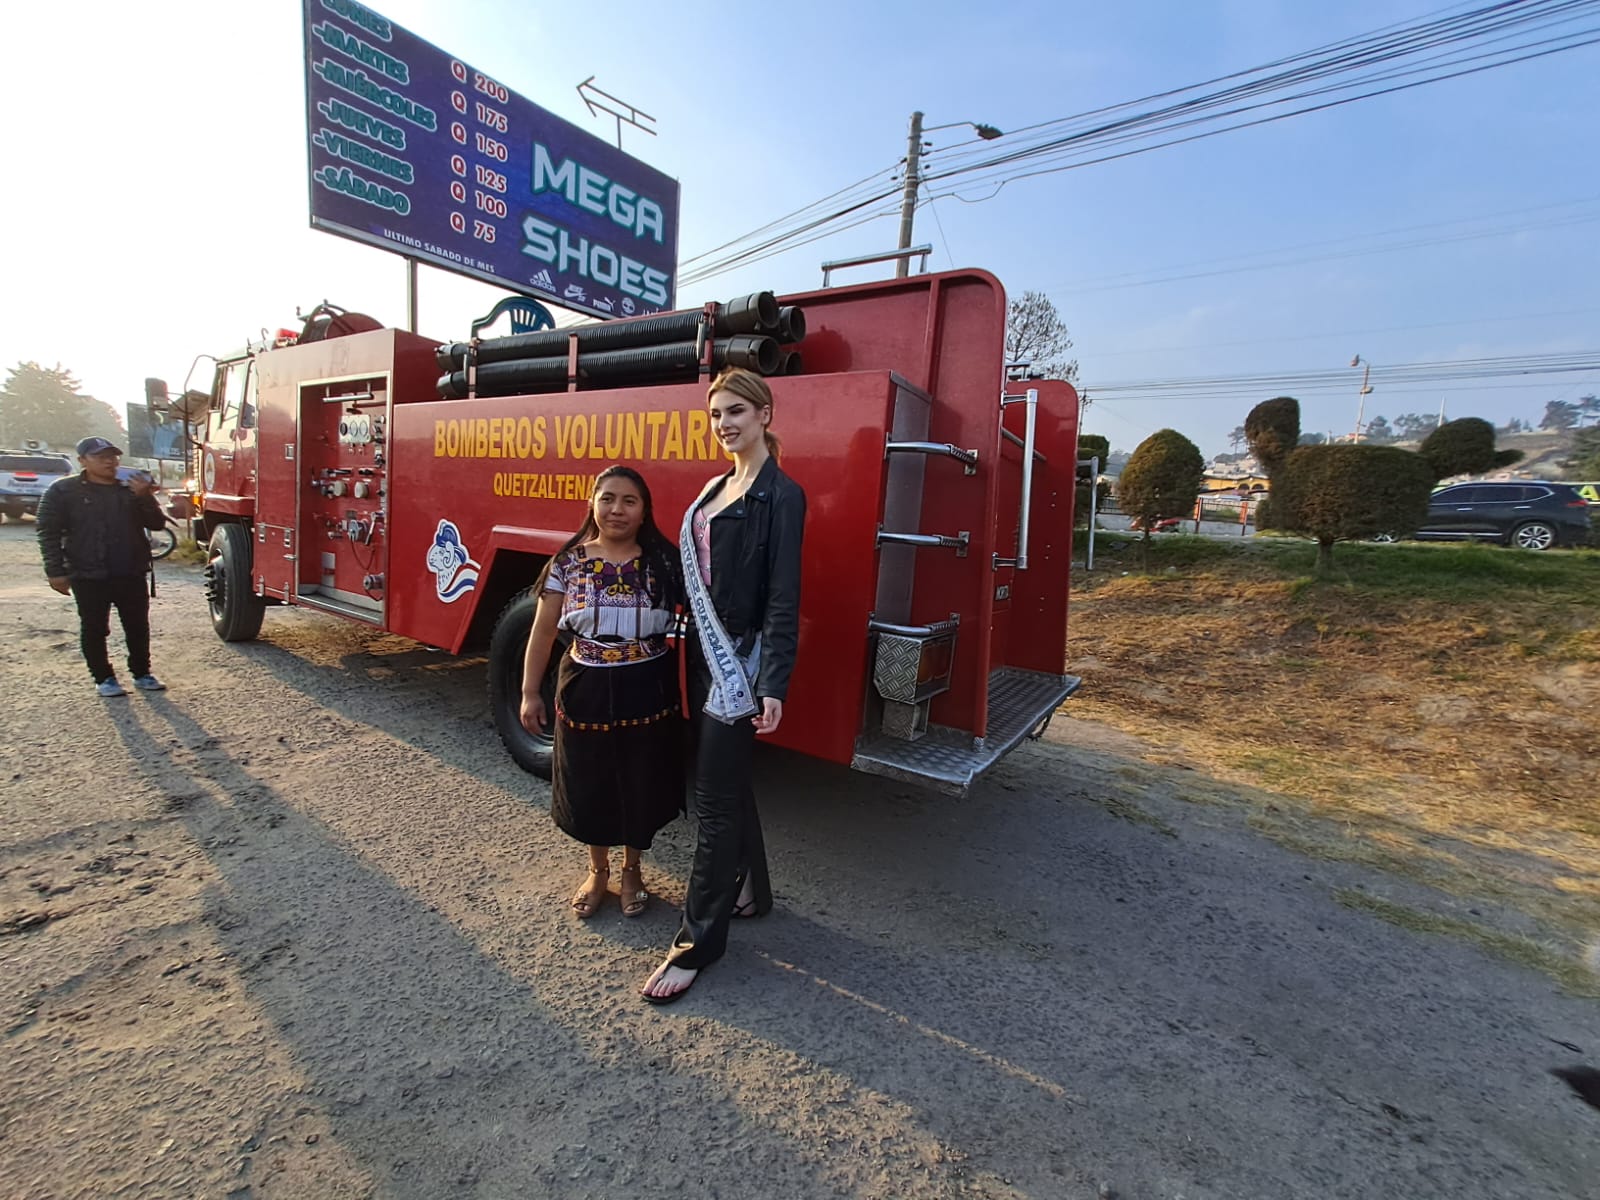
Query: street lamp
<point x="908" y="199"/>
<point x="1361" y="397"/>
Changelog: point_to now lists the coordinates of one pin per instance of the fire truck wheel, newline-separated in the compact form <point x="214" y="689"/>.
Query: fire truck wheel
<point x="236" y="611"/>
<point x="507" y="645"/>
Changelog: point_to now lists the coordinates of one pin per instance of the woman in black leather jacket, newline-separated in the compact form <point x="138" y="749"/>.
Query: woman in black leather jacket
<point x="740" y="543"/>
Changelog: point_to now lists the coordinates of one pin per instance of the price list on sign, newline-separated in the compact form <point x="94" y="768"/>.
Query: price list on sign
<point x="417" y="152"/>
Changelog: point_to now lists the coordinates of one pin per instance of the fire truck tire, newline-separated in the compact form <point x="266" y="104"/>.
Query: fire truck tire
<point x="533" y="752"/>
<point x="236" y="611"/>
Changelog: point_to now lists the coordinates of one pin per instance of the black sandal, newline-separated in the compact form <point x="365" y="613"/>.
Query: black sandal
<point x="747" y="909"/>
<point x="672" y="997"/>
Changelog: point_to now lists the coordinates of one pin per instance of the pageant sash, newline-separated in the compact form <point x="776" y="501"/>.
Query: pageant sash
<point x="732" y="697"/>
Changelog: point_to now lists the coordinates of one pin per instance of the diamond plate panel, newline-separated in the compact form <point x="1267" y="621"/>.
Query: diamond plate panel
<point x="950" y="760"/>
<point x="895" y="667"/>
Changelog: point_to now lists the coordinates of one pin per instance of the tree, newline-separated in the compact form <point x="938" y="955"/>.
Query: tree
<point x="1161" y="480"/>
<point x="1559" y="414"/>
<point x="1584" y="464"/>
<point x="1036" y="333"/>
<point x="1237" y="438"/>
<point x="1412" y="427"/>
<point x="43" y="404"/>
<point x="1093" y="445"/>
<point x="1378" y="431"/>
<point x="1346" y="492"/>
<point x="1312" y="439"/>
<point x="1464" y="447"/>
<point x="1588" y="409"/>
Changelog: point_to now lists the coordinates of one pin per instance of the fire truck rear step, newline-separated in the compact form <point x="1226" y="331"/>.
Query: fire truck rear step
<point x="951" y="760"/>
<point x="310" y="598"/>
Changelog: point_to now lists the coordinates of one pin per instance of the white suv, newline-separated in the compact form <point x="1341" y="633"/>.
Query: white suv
<point x="25" y="475"/>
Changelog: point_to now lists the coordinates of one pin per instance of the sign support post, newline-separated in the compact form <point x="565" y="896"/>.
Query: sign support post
<point x="411" y="294"/>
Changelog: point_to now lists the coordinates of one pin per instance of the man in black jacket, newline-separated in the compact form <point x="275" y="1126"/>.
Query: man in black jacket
<point x="92" y="535"/>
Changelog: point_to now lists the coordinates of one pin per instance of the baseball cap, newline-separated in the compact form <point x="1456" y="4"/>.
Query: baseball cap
<point x="96" y="445"/>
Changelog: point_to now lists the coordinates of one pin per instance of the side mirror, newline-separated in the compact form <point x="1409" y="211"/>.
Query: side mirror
<point x="192" y="405"/>
<point x="155" y="393"/>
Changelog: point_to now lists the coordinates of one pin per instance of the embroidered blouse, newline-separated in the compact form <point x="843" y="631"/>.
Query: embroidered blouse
<point x="606" y="606"/>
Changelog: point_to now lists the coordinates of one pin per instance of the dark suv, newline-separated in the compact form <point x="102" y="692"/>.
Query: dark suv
<point x="1530" y="514"/>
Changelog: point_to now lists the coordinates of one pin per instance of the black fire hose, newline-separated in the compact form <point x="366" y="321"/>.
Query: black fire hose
<point x="755" y="313"/>
<point x="636" y="364"/>
<point x="791" y="325"/>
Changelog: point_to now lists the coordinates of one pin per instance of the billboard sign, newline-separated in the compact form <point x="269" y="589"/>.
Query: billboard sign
<point x="149" y="438"/>
<point x="417" y="152"/>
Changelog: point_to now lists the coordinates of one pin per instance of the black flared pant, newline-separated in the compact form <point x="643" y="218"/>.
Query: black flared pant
<point x="729" y="845"/>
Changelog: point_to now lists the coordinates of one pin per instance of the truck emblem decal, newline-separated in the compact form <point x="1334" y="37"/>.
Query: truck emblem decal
<point x="454" y="572"/>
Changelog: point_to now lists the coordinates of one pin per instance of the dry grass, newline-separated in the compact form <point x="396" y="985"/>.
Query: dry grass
<point x="1434" y="711"/>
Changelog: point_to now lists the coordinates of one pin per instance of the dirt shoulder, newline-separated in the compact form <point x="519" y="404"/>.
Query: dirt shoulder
<point x="1447" y="735"/>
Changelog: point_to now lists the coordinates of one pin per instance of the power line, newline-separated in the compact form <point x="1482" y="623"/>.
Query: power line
<point x="1400" y="56"/>
<point x="1354" y="58"/>
<point x="1396" y="379"/>
<point x="1343" y="333"/>
<point x="1132" y="279"/>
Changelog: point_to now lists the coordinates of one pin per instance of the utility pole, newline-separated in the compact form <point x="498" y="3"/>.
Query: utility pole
<point x="1361" y="397"/>
<point x="908" y="201"/>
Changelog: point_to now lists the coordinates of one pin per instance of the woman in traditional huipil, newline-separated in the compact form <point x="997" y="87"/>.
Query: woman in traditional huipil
<point x="740" y="549"/>
<point x="618" y="765"/>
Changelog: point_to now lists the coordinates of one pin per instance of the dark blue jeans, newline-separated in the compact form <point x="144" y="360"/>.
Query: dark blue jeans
<point x="96" y="598"/>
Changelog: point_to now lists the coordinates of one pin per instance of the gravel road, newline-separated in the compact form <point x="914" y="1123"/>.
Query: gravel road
<point x="297" y="928"/>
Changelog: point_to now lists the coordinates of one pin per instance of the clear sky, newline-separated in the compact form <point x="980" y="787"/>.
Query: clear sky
<point x="156" y="184"/>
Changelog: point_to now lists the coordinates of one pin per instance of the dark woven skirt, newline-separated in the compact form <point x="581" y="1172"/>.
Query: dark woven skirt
<point x="619" y="751"/>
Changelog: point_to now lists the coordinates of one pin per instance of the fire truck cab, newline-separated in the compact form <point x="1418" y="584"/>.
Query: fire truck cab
<point x="938" y="538"/>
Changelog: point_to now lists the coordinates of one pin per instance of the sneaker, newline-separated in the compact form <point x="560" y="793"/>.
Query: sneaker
<point x="109" y="687"/>
<point x="148" y="683"/>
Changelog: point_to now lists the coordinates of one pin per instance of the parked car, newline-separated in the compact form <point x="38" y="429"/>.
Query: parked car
<point x="1164" y="525"/>
<point x="25" y="475"/>
<point x="1530" y="514"/>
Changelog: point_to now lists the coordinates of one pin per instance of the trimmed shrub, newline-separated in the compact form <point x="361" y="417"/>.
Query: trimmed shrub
<point x="1090" y="445"/>
<point x="1272" y="430"/>
<point x="1464" y="447"/>
<point x="1161" y="480"/>
<point x="1351" y="492"/>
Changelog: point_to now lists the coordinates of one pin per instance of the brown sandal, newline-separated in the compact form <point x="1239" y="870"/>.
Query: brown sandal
<point x="588" y="899"/>
<point x="635" y="898"/>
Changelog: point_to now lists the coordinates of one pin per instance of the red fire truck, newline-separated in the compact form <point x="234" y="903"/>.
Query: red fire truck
<point x="938" y="535"/>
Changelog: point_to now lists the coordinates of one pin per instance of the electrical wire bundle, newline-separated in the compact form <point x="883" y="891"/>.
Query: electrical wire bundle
<point x="1452" y="43"/>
